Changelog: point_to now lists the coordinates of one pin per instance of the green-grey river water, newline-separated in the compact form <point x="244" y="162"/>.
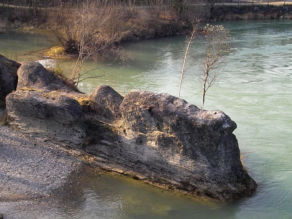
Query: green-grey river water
<point x="255" y="90"/>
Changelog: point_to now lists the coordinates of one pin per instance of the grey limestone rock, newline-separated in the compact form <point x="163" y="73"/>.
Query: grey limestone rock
<point x="107" y="102"/>
<point x="166" y="141"/>
<point x="33" y="75"/>
<point x="8" y="76"/>
<point x="42" y="108"/>
<point x="157" y="138"/>
<point x="51" y="116"/>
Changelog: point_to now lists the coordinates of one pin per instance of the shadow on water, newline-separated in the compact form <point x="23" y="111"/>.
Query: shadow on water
<point x="100" y="195"/>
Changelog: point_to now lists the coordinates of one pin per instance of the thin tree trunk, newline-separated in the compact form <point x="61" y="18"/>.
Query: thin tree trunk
<point x="204" y="85"/>
<point x="81" y="57"/>
<point x="185" y="59"/>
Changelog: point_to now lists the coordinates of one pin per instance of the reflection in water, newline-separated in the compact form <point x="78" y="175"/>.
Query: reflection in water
<point x="108" y="196"/>
<point x="23" y="46"/>
<point x="254" y="90"/>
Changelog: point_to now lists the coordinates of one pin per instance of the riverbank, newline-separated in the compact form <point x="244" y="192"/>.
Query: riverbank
<point x="113" y="27"/>
<point x="32" y="169"/>
<point x="250" y="12"/>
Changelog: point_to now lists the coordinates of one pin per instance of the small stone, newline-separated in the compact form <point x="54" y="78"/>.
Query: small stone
<point x="1" y="216"/>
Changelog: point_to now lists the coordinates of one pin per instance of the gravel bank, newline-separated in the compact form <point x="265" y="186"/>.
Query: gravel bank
<point x="31" y="169"/>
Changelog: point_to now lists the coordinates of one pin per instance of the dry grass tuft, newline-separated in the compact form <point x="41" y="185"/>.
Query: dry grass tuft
<point x="55" y="52"/>
<point x="28" y="89"/>
<point x="86" y="103"/>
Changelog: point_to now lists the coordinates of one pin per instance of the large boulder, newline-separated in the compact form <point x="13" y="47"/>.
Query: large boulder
<point x="34" y="76"/>
<point x="50" y="116"/>
<point x="168" y="142"/>
<point x="157" y="138"/>
<point x="8" y="76"/>
<point x="42" y="108"/>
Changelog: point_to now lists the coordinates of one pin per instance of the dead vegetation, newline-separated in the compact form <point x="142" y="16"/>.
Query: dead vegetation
<point x="92" y="29"/>
<point x="104" y="24"/>
<point x="217" y="46"/>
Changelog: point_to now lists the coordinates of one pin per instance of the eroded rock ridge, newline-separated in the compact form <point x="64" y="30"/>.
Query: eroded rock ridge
<point x="157" y="138"/>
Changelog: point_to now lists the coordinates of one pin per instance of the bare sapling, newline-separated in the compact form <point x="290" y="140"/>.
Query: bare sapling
<point x="217" y="46"/>
<point x="183" y="70"/>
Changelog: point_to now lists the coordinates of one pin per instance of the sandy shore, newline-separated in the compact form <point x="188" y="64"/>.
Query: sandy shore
<point x="31" y="169"/>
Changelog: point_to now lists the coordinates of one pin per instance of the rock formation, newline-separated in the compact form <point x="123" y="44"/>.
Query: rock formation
<point x="42" y="108"/>
<point x="157" y="138"/>
<point x="8" y="76"/>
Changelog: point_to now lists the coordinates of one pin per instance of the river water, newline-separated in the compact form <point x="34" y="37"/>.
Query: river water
<point x="254" y="90"/>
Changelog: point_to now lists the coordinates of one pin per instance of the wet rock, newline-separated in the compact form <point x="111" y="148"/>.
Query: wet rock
<point x="8" y="76"/>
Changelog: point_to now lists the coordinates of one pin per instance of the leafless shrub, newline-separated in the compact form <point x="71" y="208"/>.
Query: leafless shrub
<point x="217" y="47"/>
<point x="94" y="29"/>
<point x="191" y="38"/>
<point x="91" y="32"/>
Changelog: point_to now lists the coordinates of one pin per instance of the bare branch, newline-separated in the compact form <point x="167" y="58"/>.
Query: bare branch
<point x="217" y="40"/>
<point x="98" y="76"/>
